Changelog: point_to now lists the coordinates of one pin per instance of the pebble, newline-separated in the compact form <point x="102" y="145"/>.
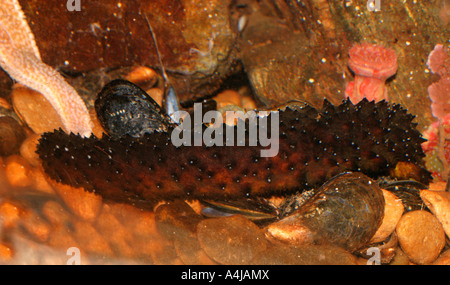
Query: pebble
<point x="393" y="211"/>
<point x="157" y="94"/>
<point x="55" y="213"/>
<point x="90" y="240"/>
<point x="142" y="76"/>
<point x="28" y="150"/>
<point x="190" y="251"/>
<point x="35" y="110"/>
<point x="18" y="171"/>
<point x="6" y="252"/>
<point x="119" y="239"/>
<point x="444" y="258"/>
<point x="400" y="258"/>
<point x="41" y="183"/>
<point x="421" y="236"/>
<point x="84" y="204"/>
<point x="176" y="219"/>
<point x="36" y="226"/>
<point x="177" y="222"/>
<point x="305" y="255"/>
<point x="439" y="204"/>
<point x="248" y="103"/>
<point x="97" y="128"/>
<point x="9" y="215"/>
<point x="228" y="97"/>
<point x="12" y="134"/>
<point x="231" y="240"/>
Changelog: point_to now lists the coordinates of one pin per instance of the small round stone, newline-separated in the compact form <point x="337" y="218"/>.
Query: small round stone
<point x="421" y="236"/>
<point x="231" y="240"/>
<point x="12" y="135"/>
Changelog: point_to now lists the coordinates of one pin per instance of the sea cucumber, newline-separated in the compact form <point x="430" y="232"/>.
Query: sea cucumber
<point x="314" y="145"/>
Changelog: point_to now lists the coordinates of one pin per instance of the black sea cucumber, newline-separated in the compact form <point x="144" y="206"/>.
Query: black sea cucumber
<point x="314" y="145"/>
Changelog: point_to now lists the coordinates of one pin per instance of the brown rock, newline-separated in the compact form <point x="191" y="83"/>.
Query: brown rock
<point x="143" y="76"/>
<point x="190" y="252"/>
<point x="90" y="240"/>
<point x="36" y="226"/>
<point x="231" y="240"/>
<point x="305" y="255"/>
<point x="439" y="204"/>
<point x="421" y="236"/>
<point x="40" y="181"/>
<point x="177" y="222"/>
<point x="157" y="94"/>
<point x="248" y="103"/>
<point x="194" y="38"/>
<point x="97" y="128"/>
<point x="393" y="211"/>
<point x="444" y="258"/>
<point x="9" y="214"/>
<point x="35" y="110"/>
<point x="18" y="171"/>
<point x="110" y="228"/>
<point x="176" y="219"/>
<point x="62" y="237"/>
<point x="400" y="258"/>
<point x="140" y="223"/>
<point x="6" y="252"/>
<point x="28" y="150"/>
<point x="12" y="134"/>
<point x="55" y="213"/>
<point x="228" y="97"/>
<point x="84" y="204"/>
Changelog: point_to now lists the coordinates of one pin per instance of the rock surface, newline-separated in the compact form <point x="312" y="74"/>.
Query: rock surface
<point x="421" y="236"/>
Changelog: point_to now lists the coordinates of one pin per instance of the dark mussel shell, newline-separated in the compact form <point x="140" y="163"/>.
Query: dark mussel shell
<point x="123" y="108"/>
<point x="408" y="191"/>
<point x="346" y="211"/>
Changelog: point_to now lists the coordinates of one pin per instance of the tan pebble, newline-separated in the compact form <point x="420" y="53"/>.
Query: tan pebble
<point x="12" y="135"/>
<point x="35" y="110"/>
<point x="55" y="213"/>
<point x="140" y="223"/>
<point x="306" y="255"/>
<point x="115" y="233"/>
<point x="41" y="183"/>
<point x="248" y="103"/>
<point x="84" y="204"/>
<point x="437" y="186"/>
<point x="142" y="74"/>
<point x="6" y="252"/>
<point x="4" y="103"/>
<point x="36" y="226"/>
<point x="421" y="236"/>
<point x="18" y="171"/>
<point x="90" y="240"/>
<point x="400" y="258"/>
<point x="9" y="214"/>
<point x="228" y="97"/>
<point x="62" y="237"/>
<point x="439" y="204"/>
<point x="232" y="240"/>
<point x="157" y="94"/>
<point x="97" y="128"/>
<point x="163" y="253"/>
<point x="28" y="150"/>
<point x="444" y="258"/>
<point x="393" y="211"/>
